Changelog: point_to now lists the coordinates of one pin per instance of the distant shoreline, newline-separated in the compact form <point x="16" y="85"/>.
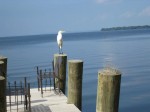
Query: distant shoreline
<point x="126" y="28"/>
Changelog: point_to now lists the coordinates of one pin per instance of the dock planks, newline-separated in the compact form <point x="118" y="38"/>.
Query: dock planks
<point x="51" y="102"/>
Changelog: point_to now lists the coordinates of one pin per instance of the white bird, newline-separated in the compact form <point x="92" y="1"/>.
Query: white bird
<point x="60" y="41"/>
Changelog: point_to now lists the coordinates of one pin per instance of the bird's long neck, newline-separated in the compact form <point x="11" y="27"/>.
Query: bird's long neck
<point x="59" y="33"/>
<point x="59" y="36"/>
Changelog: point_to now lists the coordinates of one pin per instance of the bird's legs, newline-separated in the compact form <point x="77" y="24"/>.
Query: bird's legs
<point x="60" y="51"/>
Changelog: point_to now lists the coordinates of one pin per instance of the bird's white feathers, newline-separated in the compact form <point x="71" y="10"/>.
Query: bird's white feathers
<point x="60" y="40"/>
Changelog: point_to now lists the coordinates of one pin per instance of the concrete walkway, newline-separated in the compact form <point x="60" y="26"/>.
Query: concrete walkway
<point x="51" y="102"/>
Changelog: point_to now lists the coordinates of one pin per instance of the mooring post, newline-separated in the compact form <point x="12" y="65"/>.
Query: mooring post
<point x="108" y="90"/>
<point x="3" y="73"/>
<point x="75" y="74"/>
<point x="60" y="63"/>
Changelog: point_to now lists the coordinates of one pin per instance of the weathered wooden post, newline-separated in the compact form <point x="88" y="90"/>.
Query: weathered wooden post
<point x="75" y="73"/>
<point x="60" y="63"/>
<point x="3" y="74"/>
<point x="108" y="90"/>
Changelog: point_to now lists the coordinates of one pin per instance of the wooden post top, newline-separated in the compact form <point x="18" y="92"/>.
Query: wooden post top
<point x="109" y="71"/>
<point x="75" y="61"/>
<point x="3" y="57"/>
<point x="60" y="54"/>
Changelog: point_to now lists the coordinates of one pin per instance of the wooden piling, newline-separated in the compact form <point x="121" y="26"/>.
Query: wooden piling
<point x="75" y="73"/>
<point x="3" y="72"/>
<point x="108" y="90"/>
<point x="60" y="63"/>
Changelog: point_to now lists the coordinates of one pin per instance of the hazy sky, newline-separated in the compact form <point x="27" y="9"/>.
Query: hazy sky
<point x="28" y="17"/>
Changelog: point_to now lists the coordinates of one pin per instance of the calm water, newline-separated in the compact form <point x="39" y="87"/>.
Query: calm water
<point x="129" y="51"/>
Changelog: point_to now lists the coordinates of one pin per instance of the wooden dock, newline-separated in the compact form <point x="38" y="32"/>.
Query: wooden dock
<point x="51" y="102"/>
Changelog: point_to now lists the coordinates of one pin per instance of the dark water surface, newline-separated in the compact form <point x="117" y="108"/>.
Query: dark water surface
<point x="129" y="51"/>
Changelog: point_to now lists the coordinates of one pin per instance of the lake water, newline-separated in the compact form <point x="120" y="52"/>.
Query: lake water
<point x="129" y="51"/>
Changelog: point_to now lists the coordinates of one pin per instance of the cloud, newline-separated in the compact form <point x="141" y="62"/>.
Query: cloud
<point x="145" y="12"/>
<point x="102" y="1"/>
<point x="106" y="1"/>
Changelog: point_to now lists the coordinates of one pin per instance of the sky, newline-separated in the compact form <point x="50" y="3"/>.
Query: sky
<point x="33" y="17"/>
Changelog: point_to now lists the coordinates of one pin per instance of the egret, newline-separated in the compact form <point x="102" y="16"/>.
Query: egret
<point x="60" y="41"/>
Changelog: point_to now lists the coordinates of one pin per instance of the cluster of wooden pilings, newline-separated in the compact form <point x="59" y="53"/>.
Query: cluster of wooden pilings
<point x="58" y="73"/>
<point x="75" y="73"/>
<point x="108" y="88"/>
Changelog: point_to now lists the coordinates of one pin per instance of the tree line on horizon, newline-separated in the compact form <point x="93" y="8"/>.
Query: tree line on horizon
<point x="126" y="28"/>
